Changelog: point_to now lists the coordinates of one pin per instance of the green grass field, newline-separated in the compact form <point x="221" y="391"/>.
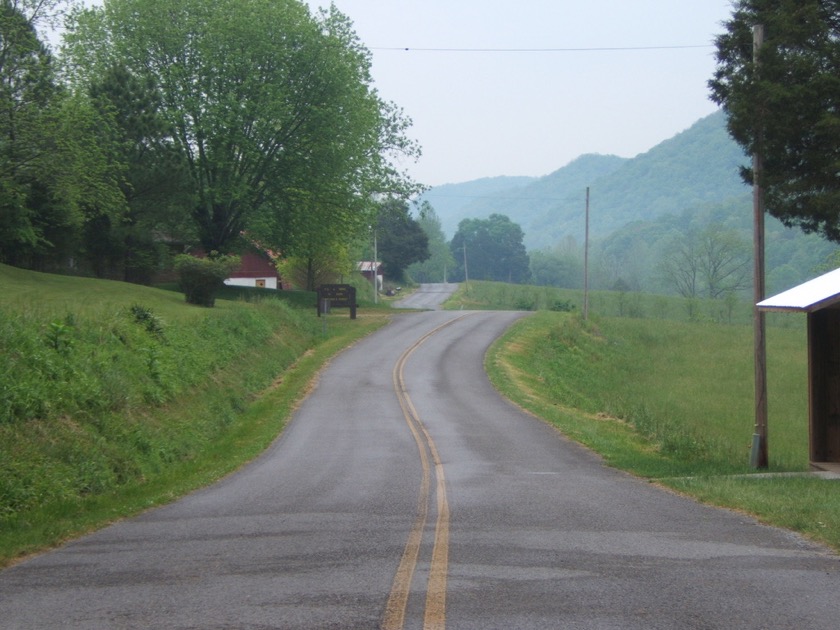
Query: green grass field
<point x="671" y="400"/>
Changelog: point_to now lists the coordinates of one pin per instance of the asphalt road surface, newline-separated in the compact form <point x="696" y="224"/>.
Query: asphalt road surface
<point x="406" y="493"/>
<point x="428" y="296"/>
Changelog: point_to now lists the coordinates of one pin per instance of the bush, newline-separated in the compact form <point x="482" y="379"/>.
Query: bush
<point x="201" y="278"/>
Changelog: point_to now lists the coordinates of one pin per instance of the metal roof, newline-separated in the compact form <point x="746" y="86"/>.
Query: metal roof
<point x="808" y="297"/>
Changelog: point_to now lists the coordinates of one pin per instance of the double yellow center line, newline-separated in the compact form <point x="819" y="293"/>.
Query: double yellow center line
<point x="435" y="611"/>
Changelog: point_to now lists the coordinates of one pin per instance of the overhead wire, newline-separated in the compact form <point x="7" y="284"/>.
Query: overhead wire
<point x="538" y="50"/>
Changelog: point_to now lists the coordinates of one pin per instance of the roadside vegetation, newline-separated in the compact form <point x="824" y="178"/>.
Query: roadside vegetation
<point x="117" y="397"/>
<point x="667" y="396"/>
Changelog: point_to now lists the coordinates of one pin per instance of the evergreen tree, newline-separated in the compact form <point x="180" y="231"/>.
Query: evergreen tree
<point x="785" y="105"/>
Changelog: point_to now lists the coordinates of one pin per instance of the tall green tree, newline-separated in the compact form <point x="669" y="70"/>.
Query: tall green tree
<point x="492" y="249"/>
<point x="154" y="179"/>
<point x="785" y="105"/>
<point x="49" y="168"/>
<point x="440" y="262"/>
<point x="26" y="89"/>
<point x="272" y="108"/>
<point x="401" y="240"/>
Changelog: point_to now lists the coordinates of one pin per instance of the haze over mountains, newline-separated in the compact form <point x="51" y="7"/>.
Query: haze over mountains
<point x="636" y="204"/>
<point x="697" y="166"/>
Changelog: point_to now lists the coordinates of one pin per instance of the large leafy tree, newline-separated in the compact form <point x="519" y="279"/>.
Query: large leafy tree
<point x="401" y="240"/>
<point x="272" y="108"/>
<point x="26" y="88"/>
<point x="440" y="263"/>
<point x="154" y="178"/>
<point x="492" y="249"/>
<point x="49" y="167"/>
<point x="786" y="104"/>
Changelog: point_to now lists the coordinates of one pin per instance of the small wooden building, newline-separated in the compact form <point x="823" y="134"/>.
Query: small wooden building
<point x="256" y="270"/>
<point x="820" y="300"/>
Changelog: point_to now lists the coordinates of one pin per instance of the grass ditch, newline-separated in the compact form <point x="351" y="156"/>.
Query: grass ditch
<point x="115" y="398"/>
<point x="671" y="401"/>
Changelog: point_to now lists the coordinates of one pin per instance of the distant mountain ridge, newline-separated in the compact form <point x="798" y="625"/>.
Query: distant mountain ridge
<point x="449" y="200"/>
<point x="696" y="167"/>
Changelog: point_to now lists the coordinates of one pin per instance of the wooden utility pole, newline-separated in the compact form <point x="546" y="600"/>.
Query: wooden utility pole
<point x="375" y="271"/>
<point x="466" y="273"/>
<point x="758" y="455"/>
<point x="586" y="262"/>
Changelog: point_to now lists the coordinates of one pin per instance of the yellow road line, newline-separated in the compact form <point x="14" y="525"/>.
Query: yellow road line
<point x="435" y="612"/>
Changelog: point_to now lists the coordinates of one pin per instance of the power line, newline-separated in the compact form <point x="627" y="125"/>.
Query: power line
<point x="538" y="50"/>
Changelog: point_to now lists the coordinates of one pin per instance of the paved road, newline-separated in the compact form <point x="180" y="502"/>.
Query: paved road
<point x="428" y="296"/>
<point x="406" y="494"/>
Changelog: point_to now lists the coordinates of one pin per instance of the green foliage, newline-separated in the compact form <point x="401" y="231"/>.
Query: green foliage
<point x="558" y="267"/>
<point x="135" y="410"/>
<point x="154" y="182"/>
<point x="685" y="418"/>
<point x="78" y="416"/>
<point x="642" y="252"/>
<point x="146" y="318"/>
<point x="490" y="249"/>
<point x="201" y="278"/>
<point x="480" y="295"/>
<point x="401" y="240"/>
<point x="284" y="138"/>
<point x="322" y="267"/>
<point x="440" y="261"/>
<point x="59" y="335"/>
<point x="695" y="168"/>
<point x="451" y="200"/>
<point x="691" y="394"/>
<point x="785" y="104"/>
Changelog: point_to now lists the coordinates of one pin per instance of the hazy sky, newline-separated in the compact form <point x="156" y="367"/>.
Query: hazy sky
<point x="495" y="111"/>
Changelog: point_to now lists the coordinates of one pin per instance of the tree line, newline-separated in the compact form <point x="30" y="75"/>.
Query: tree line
<point x="162" y="125"/>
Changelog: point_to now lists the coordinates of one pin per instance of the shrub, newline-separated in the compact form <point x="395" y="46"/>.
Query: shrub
<point x="201" y="278"/>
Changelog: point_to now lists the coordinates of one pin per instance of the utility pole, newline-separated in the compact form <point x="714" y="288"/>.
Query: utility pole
<point x="758" y="454"/>
<point x="375" y="272"/>
<point x="466" y="273"/>
<point x="586" y="262"/>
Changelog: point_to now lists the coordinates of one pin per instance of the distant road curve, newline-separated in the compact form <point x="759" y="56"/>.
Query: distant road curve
<point x="428" y="296"/>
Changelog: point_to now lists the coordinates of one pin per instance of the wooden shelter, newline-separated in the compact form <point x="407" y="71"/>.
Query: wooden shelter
<point x="820" y="300"/>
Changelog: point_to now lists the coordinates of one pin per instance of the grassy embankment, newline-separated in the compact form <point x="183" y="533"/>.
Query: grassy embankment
<point x="115" y="397"/>
<point x="668" y="399"/>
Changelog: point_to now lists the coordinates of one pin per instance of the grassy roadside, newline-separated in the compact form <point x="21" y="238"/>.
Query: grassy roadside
<point x="116" y="398"/>
<point x="671" y="402"/>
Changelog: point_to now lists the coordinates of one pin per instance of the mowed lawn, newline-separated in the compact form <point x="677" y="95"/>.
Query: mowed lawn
<point x="673" y="401"/>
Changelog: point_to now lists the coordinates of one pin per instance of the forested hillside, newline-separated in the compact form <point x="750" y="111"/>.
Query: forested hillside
<point x="450" y="200"/>
<point x="641" y="210"/>
<point x="699" y="165"/>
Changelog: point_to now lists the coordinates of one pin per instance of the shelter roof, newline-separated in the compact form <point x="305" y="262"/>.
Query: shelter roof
<point x="369" y="265"/>
<point x="816" y="294"/>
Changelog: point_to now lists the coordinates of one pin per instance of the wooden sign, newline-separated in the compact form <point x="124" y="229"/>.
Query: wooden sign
<point x="336" y="296"/>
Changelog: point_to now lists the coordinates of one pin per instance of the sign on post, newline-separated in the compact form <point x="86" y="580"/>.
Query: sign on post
<point x="337" y="296"/>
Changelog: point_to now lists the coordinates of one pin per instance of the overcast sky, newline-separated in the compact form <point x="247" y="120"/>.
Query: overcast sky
<point x="522" y="87"/>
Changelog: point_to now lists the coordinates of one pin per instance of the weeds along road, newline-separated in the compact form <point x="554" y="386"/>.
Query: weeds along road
<point x="406" y="494"/>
